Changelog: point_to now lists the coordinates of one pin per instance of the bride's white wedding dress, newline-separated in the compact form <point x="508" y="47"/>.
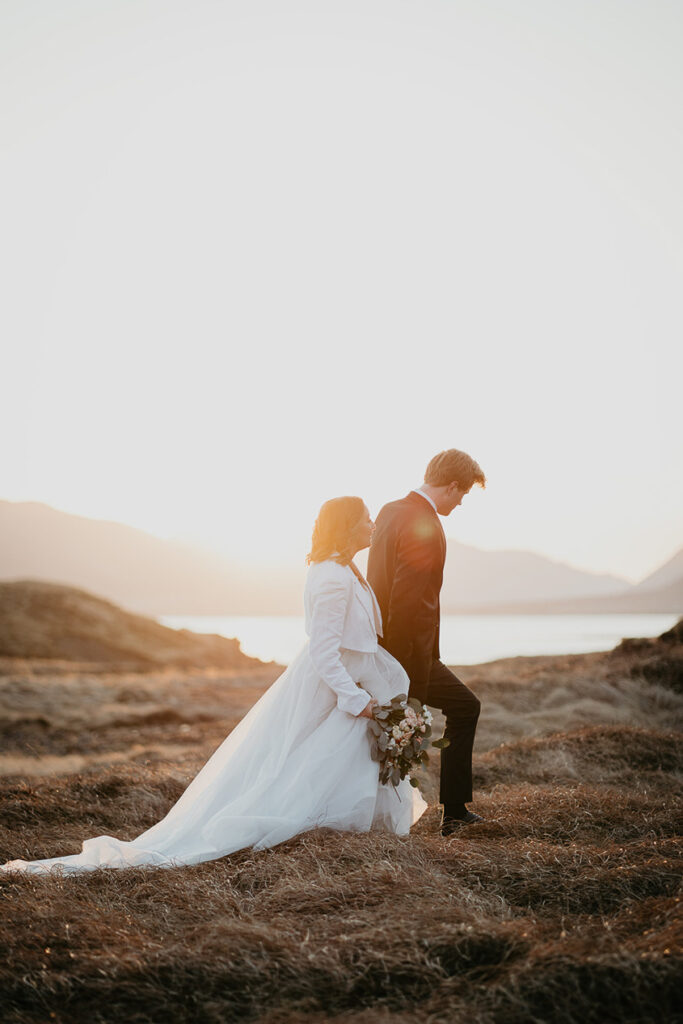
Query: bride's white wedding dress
<point x="299" y="760"/>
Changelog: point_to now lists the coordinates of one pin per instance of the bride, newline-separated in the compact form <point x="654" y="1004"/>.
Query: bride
<point x="300" y="759"/>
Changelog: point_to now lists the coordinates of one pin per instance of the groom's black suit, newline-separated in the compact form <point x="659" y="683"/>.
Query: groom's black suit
<point x="405" y="570"/>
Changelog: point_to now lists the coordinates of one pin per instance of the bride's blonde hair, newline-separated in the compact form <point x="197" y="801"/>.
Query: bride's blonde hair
<point x="333" y="528"/>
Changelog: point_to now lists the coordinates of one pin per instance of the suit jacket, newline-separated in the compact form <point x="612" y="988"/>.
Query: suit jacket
<point x="339" y="615"/>
<point x="405" y="570"/>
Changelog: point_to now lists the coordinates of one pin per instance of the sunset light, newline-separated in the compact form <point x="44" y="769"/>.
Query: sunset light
<point x="341" y="511"/>
<point x="265" y="266"/>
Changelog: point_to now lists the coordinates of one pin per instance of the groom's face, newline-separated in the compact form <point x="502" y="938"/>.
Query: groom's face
<point x="452" y="498"/>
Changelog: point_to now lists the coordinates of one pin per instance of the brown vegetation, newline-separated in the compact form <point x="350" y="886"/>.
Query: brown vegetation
<point x="563" y="906"/>
<point x="48" y="620"/>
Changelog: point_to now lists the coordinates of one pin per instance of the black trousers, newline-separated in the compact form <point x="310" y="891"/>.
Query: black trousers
<point x="461" y="708"/>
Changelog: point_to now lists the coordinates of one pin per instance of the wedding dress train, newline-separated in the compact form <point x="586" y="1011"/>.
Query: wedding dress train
<point x="295" y="762"/>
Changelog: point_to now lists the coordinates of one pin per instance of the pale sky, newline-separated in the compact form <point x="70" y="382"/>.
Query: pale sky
<point x="257" y="254"/>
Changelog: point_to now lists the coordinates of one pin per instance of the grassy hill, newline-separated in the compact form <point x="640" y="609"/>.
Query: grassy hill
<point x="48" y="620"/>
<point x="564" y="905"/>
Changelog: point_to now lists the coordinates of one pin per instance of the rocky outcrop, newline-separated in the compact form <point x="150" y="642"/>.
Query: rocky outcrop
<point x="657" y="659"/>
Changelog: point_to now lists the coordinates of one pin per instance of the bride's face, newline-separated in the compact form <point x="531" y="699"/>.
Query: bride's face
<point x="363" y="531"/>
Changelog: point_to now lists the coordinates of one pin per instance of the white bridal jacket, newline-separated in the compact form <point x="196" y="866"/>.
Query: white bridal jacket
<point x="341" y="615"/>
<point x="299" y="760"/>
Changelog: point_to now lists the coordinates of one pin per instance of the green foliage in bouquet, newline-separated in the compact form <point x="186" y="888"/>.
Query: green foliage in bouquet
<point x="401" y="735"/>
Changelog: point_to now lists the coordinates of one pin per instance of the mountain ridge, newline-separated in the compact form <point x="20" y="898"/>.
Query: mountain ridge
<point x="152" y="576"/>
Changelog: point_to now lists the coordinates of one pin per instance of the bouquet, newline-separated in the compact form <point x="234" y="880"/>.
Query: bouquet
<point x="401" y="735"/>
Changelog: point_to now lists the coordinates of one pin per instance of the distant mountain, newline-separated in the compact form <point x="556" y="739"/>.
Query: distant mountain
<point x="476" y="577"/>
<point x="665" y="601"/>
<point x="660" y="592"/>
<point x="583" y="593"/>
<point x="134" y="569"/>
<point x="160" y="577"/>
<point x="669" y="573"/>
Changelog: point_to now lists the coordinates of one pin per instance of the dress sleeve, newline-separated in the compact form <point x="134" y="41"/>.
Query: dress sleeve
<point x="327" y="624"/>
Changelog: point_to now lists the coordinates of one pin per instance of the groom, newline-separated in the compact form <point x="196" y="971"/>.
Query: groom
<point x="405" y="569"/>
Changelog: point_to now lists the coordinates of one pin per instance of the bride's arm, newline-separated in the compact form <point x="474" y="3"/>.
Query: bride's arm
<point x="327" y="623"/>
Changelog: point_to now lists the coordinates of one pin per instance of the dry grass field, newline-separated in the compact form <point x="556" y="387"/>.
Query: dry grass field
<point x="563" y="906"/>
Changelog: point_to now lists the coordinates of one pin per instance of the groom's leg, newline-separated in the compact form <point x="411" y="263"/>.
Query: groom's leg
<point x="461" y="709"/>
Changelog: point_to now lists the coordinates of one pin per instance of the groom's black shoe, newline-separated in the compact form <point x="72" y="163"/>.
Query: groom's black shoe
<point x="451" y="825"/>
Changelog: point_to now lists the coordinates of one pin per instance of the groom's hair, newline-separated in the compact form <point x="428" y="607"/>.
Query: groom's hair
<point x="454" y="466"/>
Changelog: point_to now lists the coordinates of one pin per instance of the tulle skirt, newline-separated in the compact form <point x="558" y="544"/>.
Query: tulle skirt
<point x="294" y="763"/>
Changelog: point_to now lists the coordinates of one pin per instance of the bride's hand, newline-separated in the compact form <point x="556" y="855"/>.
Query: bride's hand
<point x="367" y="710"/>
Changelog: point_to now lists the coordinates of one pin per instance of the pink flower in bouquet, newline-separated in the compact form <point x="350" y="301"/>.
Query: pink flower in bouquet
<point x="401" y="732"/>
